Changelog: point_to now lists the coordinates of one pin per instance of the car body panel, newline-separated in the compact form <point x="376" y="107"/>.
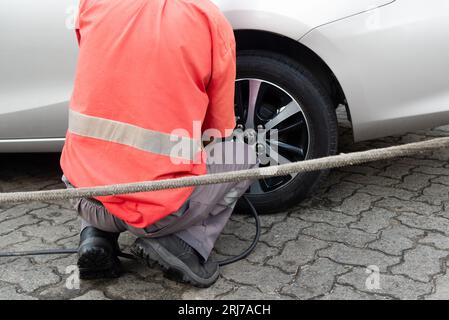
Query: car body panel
<point x="393" y="65"/>
<point x="291" y="18"/>
<point x="37" y="63"/>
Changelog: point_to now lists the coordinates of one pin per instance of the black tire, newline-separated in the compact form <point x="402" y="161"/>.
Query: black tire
<point x="318" y="109"/>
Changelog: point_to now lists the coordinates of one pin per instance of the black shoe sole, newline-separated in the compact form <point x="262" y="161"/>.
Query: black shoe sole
<point x="153" y="254"/>
<point x="96" y="263"/>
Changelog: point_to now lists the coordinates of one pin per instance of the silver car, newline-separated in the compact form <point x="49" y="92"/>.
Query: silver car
<point x="386" y="61"/>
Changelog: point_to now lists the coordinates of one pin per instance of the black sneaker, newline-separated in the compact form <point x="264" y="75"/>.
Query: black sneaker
<point x="98" y="255"/>
<point x="177" y="259"/>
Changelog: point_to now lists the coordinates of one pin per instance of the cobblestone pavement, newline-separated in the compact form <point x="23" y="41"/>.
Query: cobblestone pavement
<point x="390" y="216"/>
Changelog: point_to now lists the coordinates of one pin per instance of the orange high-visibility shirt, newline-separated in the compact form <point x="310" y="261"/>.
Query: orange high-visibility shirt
<point x="146" y="69"/>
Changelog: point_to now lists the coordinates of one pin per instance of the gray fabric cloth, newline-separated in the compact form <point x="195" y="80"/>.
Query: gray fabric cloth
<point x="200" y="221"/>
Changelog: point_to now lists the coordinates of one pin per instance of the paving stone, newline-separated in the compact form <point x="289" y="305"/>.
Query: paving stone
<point x="267" y="279"/>
<point x="371" y="180"/>
<point x="245" y="293"/>
<point x="70" y="241"/>
<point x="445" y="211"/>
<point x="297" y="253"/>
<point x="30" y="184"/>
<point x="316" y="201"/>
<point x="441" y="288"/>
<point x="413" y="137"/>
<point x="220" y="288"/>
<point x="388" y="192"/>
<point x="396" y="287"/>
<point x="92" y="295"/>
<point x="9" y="292"/>
<point x="440" y="155"/>
<point x="41" y="230"/>
<point x="352" y="237"/>
<point x="383" y="165"/>
<point x="230" y="245"/>
<point x="284" y="231"/>
<point x="225" y="290"/>
<point x="437" y="240"/>
<point x="262" y="253"/>
<point x="365" y="170"/>
<point x="4" y="207"/>
<point x="436" y="194"/>
<point x="126" y="239"/>
<point x="408" y="206"/>
<point x="348" y="293"/>
<point x="432" y="133"/>
<point x="242" y="230"/>
<point x="397" y="171"/>
<point x="358" y="257"/>
<point x="142" y="271"/>
<point x="19" y="210"/>
<point x="444" y="129"/>
<point x="396" y="239"/>
<point x="334" y="178"/>
<point x="435" y="172"/>
<point x="421" y="162"/>
<point x="133" y="289"/>
<point x="29" y="245"/>
<point x="357" y="203"/>
<point x="341" y="191"/>
<point x="59" y="262"/>
<point x="430" y="223"/>
<point x="67" y="290"/>
<point x="267" y="221"/>
<point x="415" y="182"/>
<point x="12" y="225"/>
<point x="55" y="214"/>
<point x="421" y="263"/>
<point x="8" y="260"/>
<point x="315" y="280"/>
<point x="28" y="276"/>
<point x="12" y="238"/>
<point x="442" y="179"/>
<point x="336" y="219"/>
<point x="374" y="220"/>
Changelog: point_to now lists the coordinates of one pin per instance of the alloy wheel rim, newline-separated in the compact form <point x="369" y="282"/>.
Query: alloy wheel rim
<point x="263" y="104"/>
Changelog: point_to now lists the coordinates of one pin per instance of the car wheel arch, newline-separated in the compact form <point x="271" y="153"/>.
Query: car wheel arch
<point x="268" y="41"/>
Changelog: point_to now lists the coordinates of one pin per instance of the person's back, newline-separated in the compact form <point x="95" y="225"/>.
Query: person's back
<point x="152" y="76"/>
<point x="147" y="68"/>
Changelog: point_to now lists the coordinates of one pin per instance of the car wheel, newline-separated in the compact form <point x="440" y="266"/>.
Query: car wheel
<point x="274" y="92"/>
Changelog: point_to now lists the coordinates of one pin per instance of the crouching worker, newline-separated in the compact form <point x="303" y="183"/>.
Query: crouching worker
<point x="152" y="76"/>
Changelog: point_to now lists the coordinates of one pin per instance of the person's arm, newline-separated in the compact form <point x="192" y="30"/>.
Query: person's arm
<point x="221" y="89"/>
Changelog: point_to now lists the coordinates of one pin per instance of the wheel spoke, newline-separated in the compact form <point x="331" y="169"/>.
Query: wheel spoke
<point x="291" y="127"/>
<point x="286" y="112"/>
<point x="256" y="187"/>
<point x="240" y="106"/>
<point x="299" y="151"/>
<point x="279" y="159"/>
<point x="254" y="89"/>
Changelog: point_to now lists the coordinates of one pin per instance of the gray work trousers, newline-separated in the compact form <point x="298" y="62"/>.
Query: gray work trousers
<point x="200" y="221"/>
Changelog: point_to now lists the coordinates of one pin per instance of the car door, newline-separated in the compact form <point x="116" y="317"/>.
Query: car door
<point x="37" y="61"/>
